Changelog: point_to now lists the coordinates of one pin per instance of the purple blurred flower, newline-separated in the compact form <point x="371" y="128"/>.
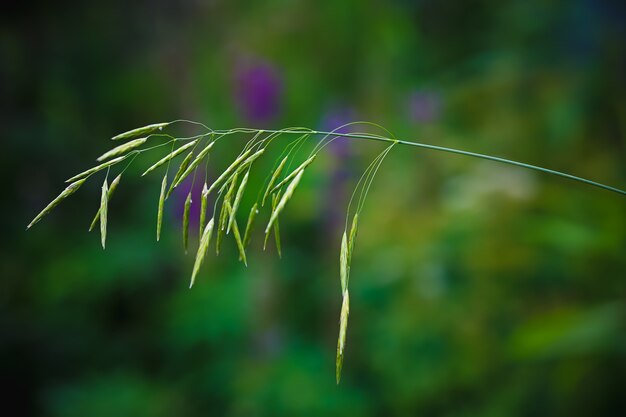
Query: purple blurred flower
<point x="258" y="89"/>
<point x="424" y="106"/>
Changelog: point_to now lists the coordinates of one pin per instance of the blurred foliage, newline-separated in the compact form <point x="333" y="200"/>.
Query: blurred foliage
<point x="477" y="289"/>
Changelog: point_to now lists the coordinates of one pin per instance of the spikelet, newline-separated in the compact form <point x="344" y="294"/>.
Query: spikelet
<point x="242" y="251"/>
<point x="221" y="225"/>
<point x="104" y="204"/>
<point x="275" y="197"/>
<point x="203" y="206"/>
<point x="246" y="237"/>
<point x="276" y="227"/>
<point x="275" y="175"/>
<point x="295" y="172"/>
<point x="122" y="149"/>
<point x="183" y="166"/>
<point x="160" y="209"/>
<point x="193" y="165"/>
<point x="245" y="164"/>
<point x="140" y="131"/>
<point x="96" y="168"/>
<point x="71" y="189"/>
<point x="235" y="207"/>
<point x="171" y="155"/>
<point x="351" y="239"/>
<point x="112" y="188"/>
<point x="281" y="204"/>
<point x="205" y="240"/>
<point x="186" y="222"/>
<point x="220" y="230"/>
<point x="228" y="170"/>
<point x="231" y="190"/>
<point x="353" y="231"/>
<point x="343" y="263"/>
<point x="341" y="340"/>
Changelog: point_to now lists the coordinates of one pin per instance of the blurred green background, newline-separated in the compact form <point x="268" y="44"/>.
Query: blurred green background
<point x="477" y="289"/>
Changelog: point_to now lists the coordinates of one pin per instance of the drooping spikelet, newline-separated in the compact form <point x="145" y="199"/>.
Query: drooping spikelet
<point x="122" y="149"/>
<point x="71" y="189"/>
<point x="229" y="170"/>
<point x="96" y="168"/>
<point x="193" y="165"/>
<point x="104" y="204"/>
<point x="275" y="199"/>
<point x="205" y="240"/>
<point x="281" y="204"/>
<point x="181" y="169"/>
<point x="343" y="263"/>
<point x="295" y="172"/>
<point x="341" y="340"/>
<point x="160" y="208"/>
<point x="276" y="227"/>
<point x="112" y="188"/>
<point x="145" y="130"/>
<point x="186" y="222"/>
<point x="203" y="207"/>
<point x="169" y="156"/>
<point x="242" y="250"/>
<point x="224" y="213"/>
<point x="235" y="206"/>
<point x="275" y="175"/>
<point x="253" y="212"/>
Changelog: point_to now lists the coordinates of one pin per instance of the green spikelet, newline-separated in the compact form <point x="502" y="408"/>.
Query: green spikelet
<point x="242" y="251"/>
<point x="71" y="189"/>
<point x="205" y="240"/>
<point x="341" y="340"/>
<point x="235" y="207"/>
<point x="96" y="168"/>
<point x="170" y="156"/>
<point x="145" y="130"/>
<point x="104" y="208"/>
<point x="112" y="188"/>
<point x="281" y="204"/>
<point x="186" y="222"/>
<point x="193" y="165"/>
<point x="122" y="149"/>
<point x="343" y="263"/>
<point x="275" y="176"/>
<point x="253" y="212"/>
<point x="181" y="169"/>
<point x="160" y="208"/>
<point x="276" y="227"/>
<point x="203" y="207"/>
<point x="229" y="170"/>
<point x="295" y="172"/>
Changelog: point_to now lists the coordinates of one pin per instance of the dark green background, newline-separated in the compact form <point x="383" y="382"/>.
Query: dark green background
<point x="477" y="289"/>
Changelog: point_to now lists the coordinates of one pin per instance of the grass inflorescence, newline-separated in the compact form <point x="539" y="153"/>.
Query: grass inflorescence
<point x="232" y="183"/>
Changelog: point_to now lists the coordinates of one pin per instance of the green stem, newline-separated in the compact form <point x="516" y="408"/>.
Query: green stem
<point x="460" y="152"/>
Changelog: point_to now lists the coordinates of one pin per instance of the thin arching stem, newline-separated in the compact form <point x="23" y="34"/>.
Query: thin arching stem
<point x="466" y="153"/>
